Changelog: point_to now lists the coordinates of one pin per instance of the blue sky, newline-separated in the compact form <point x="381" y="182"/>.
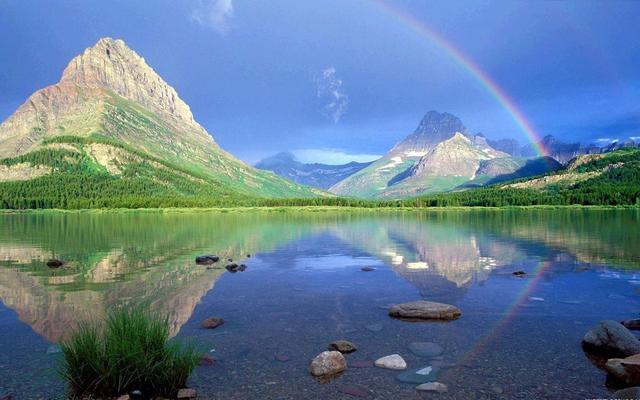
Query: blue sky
<point x="335" y="80"/>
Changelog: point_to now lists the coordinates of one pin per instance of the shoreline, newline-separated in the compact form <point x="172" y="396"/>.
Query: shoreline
<point x="177" y="210"/>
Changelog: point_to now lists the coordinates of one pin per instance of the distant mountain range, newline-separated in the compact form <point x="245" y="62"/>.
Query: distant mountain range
<point x="322" y="176"/>
<point x="439" y="156"/>
<point x="112" y="131"/>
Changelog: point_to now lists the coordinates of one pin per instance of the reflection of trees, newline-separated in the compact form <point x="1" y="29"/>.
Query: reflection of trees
<point x="147" y="258"/>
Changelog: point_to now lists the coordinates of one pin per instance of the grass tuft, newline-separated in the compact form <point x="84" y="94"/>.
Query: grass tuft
<point x="131" y="351"/>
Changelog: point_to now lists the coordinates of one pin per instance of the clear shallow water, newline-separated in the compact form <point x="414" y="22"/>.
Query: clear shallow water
<point x="518" y="338"/>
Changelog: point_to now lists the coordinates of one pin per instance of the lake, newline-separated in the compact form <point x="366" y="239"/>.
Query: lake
<point x="518" y="337"/>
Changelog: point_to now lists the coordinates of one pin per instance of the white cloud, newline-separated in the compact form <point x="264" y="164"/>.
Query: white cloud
<point x="605" y="140"/>
<point x="329" y="87"/>
<point x="213" y="14"/>
<point x="331" y="156"/>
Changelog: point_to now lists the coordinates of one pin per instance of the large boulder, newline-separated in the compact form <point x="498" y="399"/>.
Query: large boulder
<point x="328" y="363"/>
<point x="626" y="370"/>
<point x="611" y="339"/>
<point x="426" y="310"/>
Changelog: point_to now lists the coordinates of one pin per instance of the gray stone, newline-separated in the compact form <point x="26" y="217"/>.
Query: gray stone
<point x="328" y="363"/>
<point x="186" y="394"/>
<point x="611" y="339"/>
<point x="426" y="349"/>
<point x="394" y="361"/>
<point x="632" y="393"/>
<point x="626" y="369"/>
<point x="343" y="346"/>
<point x="433" y="387"/>
<point x="423" y="309"/>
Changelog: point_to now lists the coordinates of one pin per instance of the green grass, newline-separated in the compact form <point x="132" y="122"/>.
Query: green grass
<point x="130" y="351"/>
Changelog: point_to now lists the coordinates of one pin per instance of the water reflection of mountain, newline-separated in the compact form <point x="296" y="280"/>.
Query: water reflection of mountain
<point x="439" y="260"/>
<point x="147" y="258"/>
<point x="121" y="259"/>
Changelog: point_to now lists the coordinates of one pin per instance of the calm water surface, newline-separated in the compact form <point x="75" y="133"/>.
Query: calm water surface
<point x="518" y="338"/>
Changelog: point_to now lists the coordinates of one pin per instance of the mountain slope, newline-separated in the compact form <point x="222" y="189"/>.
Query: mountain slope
<point x="373" y="180"/>
<point x="111" y="116"/>
<point x="438" y="156"/>
<point x="317" y="175"/>
<point x="595" y="179"/>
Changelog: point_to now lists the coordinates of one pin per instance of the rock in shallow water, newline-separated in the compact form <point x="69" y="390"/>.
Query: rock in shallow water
<point x="612" y="339"/>
<point x="633" y="324"/>
<point x="207" y="259"/>
<point x="394" y="361"/>
<point x="186" y="394"/>
<point x="419" y="375"/>
<point x="433" y="387"/>
<point x="328" y="363"/>
<point x="374" y="327"/>
<point x="632" y="393"/>
<point x="367" y="269"/>
<point x="212" y="323"/>
<point x="355" y="391"/>
<point x="343" y="346"/>
<point x="626" y="370"/>
<point x="426" y="349"/>
<point x="423" y="309"/>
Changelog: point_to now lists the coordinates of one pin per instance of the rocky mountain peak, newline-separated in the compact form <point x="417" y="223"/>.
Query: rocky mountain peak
<point x="112" y="64"/>
<point x="434" y="128"/>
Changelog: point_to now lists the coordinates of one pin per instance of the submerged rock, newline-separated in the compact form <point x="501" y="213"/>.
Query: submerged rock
<point x="632" y="393"/>
<point x="433" y="387"/>
<point x="367" y="269"/>
<point x="343" y="346"/>
<point x="633" y="324"/>
<point x="328" y="363"/>
<point x="206" y="360"/>
<point x="186" y="394"/>
<point x="612" y="339"/>
<point x="374" y="327"/>
<point x="207" y="259"/>
<point x="212" y="322"/>
<point x="355" y="391"/>
<point x="519" y="273"/>
<point x="361" y="364"/>
<point x="426" y="349"/>
<point x="55" y="263"/>
<point x="394" y="361"/>
<point x="426" y="310"/>
<point x="626" y="370"/>
<point x="419" y="375"/>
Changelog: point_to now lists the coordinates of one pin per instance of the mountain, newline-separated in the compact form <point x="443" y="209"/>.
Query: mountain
<point x="438" y="156"/>
<point x="611" y="178"/>
<point x="111" y="131"/>
<point x="317" y="175"/>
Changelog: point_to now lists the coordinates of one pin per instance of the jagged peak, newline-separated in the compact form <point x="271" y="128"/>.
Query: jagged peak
<point x="112" y="64"/>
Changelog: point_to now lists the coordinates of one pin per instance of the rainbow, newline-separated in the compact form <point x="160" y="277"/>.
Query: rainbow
<point x="511" y="312"/>
<point x="474" y="70"/>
